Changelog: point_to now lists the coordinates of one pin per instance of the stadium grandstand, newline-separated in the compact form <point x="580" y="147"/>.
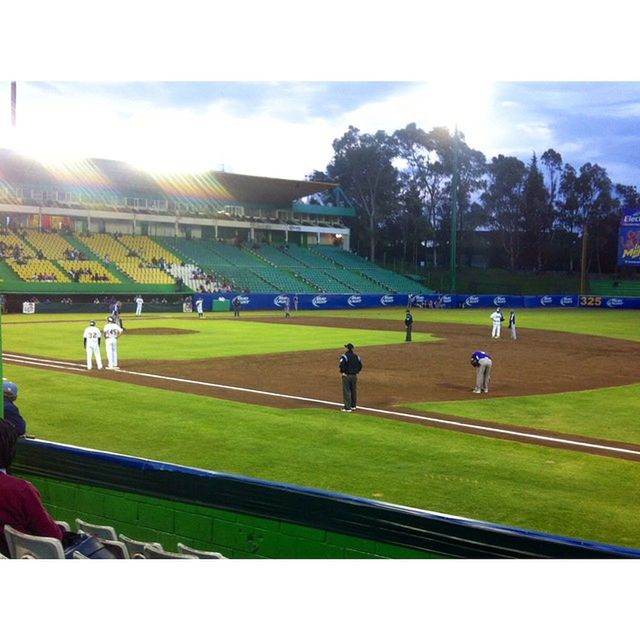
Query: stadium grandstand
<point x="104" y="226"/>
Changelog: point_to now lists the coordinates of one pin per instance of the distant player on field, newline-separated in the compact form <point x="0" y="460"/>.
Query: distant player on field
<point x="91" y="340"/>
<point x="512" y="324"/>
<point x="199" y="308"/>
<point x="112" y="332"/>
<point x="139" y="302"/>
<point x="497" y="318"/>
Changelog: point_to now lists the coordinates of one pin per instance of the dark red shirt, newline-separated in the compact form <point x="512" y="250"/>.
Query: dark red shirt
<point x="22" y="508"/>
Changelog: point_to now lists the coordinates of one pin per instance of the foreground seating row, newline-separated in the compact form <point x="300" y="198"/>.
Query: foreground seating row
<point x="29" y="547"/>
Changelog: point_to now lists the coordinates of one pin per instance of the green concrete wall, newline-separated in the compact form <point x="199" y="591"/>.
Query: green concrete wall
<point x="235" y="535"/>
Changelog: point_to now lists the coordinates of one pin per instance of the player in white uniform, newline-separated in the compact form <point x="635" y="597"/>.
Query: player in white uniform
<point x="91" y="340"/>
<point x="199" y="308"/>
<point x="498" y="319"/>
<point x="139" y="301"/>
<point x="112" y="332"/>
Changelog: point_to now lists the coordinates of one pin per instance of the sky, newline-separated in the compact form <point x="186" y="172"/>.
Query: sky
<point x="284" y="129"/>
<point x="265" y="88"/>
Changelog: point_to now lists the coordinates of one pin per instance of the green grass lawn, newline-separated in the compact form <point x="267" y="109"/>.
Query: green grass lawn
<point x="209" y="339"/>
<point x="531" y="486"/>
<point x="522" y="485"/>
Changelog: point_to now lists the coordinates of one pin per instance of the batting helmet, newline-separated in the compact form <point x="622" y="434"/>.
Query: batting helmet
<point x="10" y="389"/>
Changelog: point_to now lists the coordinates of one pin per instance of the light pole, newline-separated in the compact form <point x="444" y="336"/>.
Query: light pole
<point x="454" y="217"/>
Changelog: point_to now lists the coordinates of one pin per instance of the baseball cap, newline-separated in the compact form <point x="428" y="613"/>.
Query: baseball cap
<point x="93" y="323"/>
<point x="10" y="389"/>
<point x="349" y="345"/>
<point x="109" y="319"/>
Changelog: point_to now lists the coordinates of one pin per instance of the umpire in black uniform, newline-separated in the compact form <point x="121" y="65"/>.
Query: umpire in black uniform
<point x="408" y="323"/>
<point x="350" y="366"/>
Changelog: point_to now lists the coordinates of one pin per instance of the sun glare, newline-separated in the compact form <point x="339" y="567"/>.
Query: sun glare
<point x="465" y="104"/>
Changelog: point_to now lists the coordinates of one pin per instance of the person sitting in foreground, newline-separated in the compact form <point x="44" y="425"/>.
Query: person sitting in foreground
<point x="20" y="503"/>
<point x="11" y="411"/>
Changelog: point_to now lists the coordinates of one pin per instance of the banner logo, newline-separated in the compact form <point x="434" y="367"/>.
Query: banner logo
<point x="498" y="300"/>
<point x="615" y="302"/>
<point x="280" y="301"/>
<point x="352" y="301"/>
<point x="545" y="300"/>
<point x="567" y="301"/>
<point x="318" y="301"/>
<point x="470" y="301"/>
<point x="387" y="300"/>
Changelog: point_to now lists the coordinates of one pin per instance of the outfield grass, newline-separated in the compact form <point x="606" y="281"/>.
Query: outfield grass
<point x="208" y="339"/>
<point x="535" y="487"/>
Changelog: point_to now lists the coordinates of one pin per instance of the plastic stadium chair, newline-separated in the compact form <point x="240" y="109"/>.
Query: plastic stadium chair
<point x="24" y="545"/>
<point x="118" y="548"/>
<point x="205" y="555"/>
<point x="153" y="553"/>
<point x="136" y="547"/>
<point x="79" y="556"/>
<point x="104" y="532"/>
<point x="63" y="524"/>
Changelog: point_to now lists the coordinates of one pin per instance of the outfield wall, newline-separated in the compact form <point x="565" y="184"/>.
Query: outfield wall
<point x="314" y="302"/>
<point x="248" y="518"/>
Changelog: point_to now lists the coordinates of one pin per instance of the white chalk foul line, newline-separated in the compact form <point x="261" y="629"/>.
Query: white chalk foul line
<point x="396" y="414"/>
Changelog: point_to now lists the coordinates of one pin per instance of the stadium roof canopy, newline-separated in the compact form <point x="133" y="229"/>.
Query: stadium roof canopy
<point x="120" y="177"/>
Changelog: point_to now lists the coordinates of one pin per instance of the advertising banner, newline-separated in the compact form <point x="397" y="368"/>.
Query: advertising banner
<point x="332" y="301"/>
<point x="629" y="238"/>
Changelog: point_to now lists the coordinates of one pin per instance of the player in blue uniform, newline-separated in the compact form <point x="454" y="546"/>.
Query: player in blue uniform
<point x="483" y="363"/>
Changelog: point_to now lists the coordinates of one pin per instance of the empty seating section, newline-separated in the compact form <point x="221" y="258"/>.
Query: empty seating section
<point x="387" y="280"/>
<point x="147" y="249"/>
<point x="602" y="287"/>
<point x="276" y="257"/>
<point x="283" y="280"/>
<point x="308" y="257"/>
<point x="104" y="245"/>
<point x="51" y="245"/>
<point x="323" y="280"/>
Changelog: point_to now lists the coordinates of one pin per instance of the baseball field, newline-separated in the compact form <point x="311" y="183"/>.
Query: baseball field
<point x="553" y="447"/>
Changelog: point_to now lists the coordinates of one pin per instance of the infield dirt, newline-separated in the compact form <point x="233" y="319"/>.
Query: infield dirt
<point x="539" y="362"/>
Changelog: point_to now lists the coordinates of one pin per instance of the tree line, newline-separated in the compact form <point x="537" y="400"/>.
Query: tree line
<point x="510" y="214"/>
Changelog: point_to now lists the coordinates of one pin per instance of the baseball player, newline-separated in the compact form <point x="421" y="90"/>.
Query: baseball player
<point x="112" y="332"/>
<point x="483" y="363"/>
<point x="408" y="323"/>
<point x="287" y="307"/>
<point x="295" y="302"/>
<point x="497" y="319"/>
<point x="139" y="302"/>
<point x="512" y="324"/>
<point x="199" y="308"/>
<point x="91" y="340"/>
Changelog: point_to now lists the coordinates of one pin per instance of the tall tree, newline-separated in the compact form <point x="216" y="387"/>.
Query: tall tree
<point x="503" y="201"/>
<point x="536" y="224"/>
<point x="363" y="165"/>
